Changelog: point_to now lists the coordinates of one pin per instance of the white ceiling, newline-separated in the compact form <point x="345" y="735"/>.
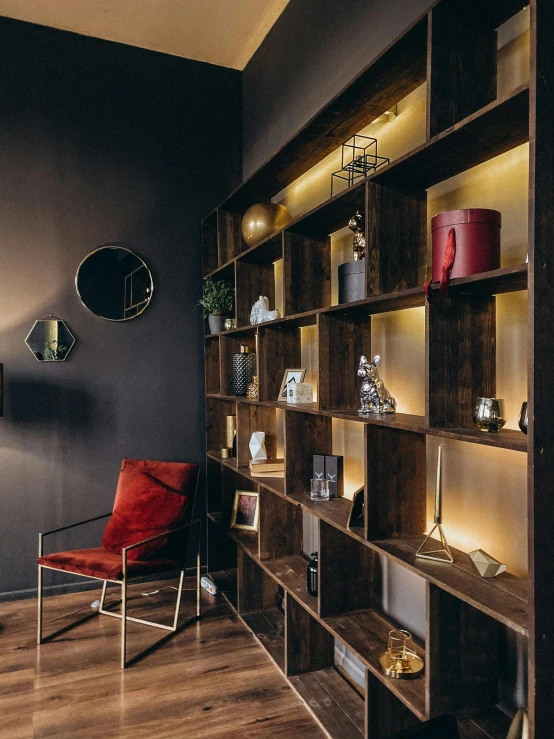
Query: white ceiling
<point x="224" y="32"/>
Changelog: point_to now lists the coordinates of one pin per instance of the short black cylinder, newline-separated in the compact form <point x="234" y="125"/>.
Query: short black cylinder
<point x="352" y="281"/>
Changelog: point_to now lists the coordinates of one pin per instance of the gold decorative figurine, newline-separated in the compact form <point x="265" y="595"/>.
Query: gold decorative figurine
<point x="443" y="554"/>
<point x="356" y="224"/>
<point x="400" y="660"/>
<point x="252" y="389"/>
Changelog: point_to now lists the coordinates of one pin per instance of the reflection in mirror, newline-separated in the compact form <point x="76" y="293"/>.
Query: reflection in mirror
<point x="50" y="340"/>
<point x="114" y="283"/>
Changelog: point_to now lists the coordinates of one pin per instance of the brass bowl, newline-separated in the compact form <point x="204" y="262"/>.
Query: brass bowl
<point x="263" y="219"/>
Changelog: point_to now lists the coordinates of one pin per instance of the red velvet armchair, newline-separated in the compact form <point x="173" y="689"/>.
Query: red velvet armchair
<point x="147" y="534"/>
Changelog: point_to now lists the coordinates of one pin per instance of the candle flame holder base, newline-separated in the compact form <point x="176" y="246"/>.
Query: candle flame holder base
<point x="400" y="669"/>
<point x="436" y="555"/>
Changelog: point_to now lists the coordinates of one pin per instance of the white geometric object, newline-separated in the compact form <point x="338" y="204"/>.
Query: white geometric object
<point x="260" y="311"/>
<point x="257" y="446"/>
<point x="300" y="392"/>
<point x="486" y="565"/>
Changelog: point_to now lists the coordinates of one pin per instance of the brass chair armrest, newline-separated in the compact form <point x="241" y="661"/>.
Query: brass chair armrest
<point x="65" y="528"/>
<point x="124" y="550"/>
<point x="73" y="525"/>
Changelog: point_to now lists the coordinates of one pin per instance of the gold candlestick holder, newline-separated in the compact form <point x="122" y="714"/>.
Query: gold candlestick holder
<point x="443" y="554"/>
<point x="400" y="660"/>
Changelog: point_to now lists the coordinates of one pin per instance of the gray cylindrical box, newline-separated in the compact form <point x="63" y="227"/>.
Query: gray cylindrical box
<point x="352" y="281"/>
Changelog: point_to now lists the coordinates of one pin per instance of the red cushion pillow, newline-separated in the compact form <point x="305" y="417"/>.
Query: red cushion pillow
<point x="145" y="507"/>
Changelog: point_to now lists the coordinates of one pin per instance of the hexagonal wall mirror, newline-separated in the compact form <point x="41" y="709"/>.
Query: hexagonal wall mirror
<point x="50" y="340"/>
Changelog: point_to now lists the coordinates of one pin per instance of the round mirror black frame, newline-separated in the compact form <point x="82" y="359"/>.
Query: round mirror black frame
<point x="150" y="289"/>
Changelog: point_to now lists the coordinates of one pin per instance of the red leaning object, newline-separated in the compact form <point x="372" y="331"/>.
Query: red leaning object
<point x="446" y="271"/>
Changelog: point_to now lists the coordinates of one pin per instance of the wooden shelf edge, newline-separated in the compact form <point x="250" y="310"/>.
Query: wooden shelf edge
<point x="494" y="282"/>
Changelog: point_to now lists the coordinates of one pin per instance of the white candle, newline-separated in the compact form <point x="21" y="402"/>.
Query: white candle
<point x="438" y="488"/>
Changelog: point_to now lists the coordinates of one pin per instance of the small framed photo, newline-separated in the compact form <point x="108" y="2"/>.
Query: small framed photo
<point x="291" y="375"/>
<point x="246" y="511"/>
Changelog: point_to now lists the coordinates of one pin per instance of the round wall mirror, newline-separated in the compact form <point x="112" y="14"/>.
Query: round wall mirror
<point x="114" y="283"/>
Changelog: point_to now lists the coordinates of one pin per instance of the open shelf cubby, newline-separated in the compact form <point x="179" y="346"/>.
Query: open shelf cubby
<point x="481" y="111"/>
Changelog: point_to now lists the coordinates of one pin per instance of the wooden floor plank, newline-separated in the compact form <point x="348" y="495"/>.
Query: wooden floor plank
<point x="210" y="679"/>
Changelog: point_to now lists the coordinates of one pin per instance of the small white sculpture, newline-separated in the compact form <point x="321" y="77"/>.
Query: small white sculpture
<point x="260" y="311"/>
<point x="300" y="392"/>
<point x="257" y="447"/>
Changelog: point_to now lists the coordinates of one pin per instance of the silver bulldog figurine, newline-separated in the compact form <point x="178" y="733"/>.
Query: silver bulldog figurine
<point x="374" y="398"/>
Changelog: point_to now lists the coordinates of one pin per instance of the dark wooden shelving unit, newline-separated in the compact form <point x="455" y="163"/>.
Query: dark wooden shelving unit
<point x="452" y="49"/>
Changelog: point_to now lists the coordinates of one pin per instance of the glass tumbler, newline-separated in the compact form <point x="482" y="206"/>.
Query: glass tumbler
<point x="320" y="490"/>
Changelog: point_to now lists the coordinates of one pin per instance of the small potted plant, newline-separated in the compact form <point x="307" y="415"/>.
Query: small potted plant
<point x="217" y="302"/>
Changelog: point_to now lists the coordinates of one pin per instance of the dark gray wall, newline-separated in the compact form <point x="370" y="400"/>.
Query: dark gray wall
<point x="314" y="50"/>
<point x="99" y="143"/>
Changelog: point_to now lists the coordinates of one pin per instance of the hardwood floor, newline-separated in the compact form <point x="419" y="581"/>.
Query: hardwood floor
<point x="210" y="679"/>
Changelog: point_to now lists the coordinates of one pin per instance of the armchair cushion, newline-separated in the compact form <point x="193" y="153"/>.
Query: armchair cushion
<point x="102" y="564"/>
<point x="146" y="506"/>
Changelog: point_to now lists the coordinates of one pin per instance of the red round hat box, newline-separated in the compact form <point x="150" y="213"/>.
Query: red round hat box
<point x="477" y="240"/>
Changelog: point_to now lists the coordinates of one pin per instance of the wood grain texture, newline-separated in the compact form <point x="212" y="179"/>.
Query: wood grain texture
<point x="230" y="243"/>
<point x="366" y="634"/>
<point x="461" y="70"/>
<point x="305" y="435"/>
<point x="331" y="215"/>
<point x="216" y="410"/>
<point x="493" y="130"/>
<point x="461" y="359"/>
<point x="396" y="239"/>
<point x="256" y="589"/>
<point x="342" y="341"/>
<point x="251" y="418"/>
<point x="207" y="680"/>
<point x="221" y="550"/>
<point x="279" y="348"/>
<point x="320" y="692"/>
<point x="268" y="626"/>
<point x="345" y="573"/>
<point x="304" y="256"/>
<point x="211" y="365"/>
<point x="385" y="713"/>
<point x="280" y="529"/>
<point x="541" y="372"/>
<point x="309" y="646"/>
<point x="462" y="655"/>
<point x="392" y="75"/>
<point x="395" y="482"/>
<point x="505" y="607"/>
<point x="253" y="280"/>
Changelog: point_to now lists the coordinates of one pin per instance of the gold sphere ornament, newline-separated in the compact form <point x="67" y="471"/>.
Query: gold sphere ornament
<point x="263" y="219"/>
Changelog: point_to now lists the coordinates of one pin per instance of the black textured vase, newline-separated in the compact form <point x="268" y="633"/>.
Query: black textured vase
<point x="244" y="369"/>
<point x="312" y="575"/>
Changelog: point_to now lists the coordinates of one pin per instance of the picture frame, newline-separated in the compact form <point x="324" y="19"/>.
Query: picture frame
<point x="246" y="510"/>
<point x="357" y="512"/>
<point x="297" y="375"/>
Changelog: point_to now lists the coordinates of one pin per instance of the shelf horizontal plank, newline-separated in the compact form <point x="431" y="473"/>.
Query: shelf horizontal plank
<point x="265" y="626"/>
<point x="290" y="572"/>
<point x="485" y="723"/>
<point x="335" y="512"/>
<point x="500" y="597"/>
<point x="504" y="439"/>
<point x="494" y="282"/>
<point x="248" y="540"/>
<point x="498" y="127"/>
<point x="392" y="75"/>
<point x="366" y="634"/>
<point x="336" y="705"/>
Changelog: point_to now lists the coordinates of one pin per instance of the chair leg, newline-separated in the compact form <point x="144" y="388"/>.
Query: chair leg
<point x="123" y="623"/>
<point x="103" y="596"/>
<point x="198" y="586"/>
<point x="39" y="594"/>
<point x="178" y="604"/>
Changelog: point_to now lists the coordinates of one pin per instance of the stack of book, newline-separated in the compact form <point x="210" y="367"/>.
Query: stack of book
<point x="268" y="468"/>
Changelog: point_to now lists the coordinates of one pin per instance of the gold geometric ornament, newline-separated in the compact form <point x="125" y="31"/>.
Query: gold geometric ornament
<point x="486" y="565"/>
<point x="443" y="554"/>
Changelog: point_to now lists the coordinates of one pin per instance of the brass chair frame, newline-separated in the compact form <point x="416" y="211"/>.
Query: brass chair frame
<point x="123" y="582"/>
